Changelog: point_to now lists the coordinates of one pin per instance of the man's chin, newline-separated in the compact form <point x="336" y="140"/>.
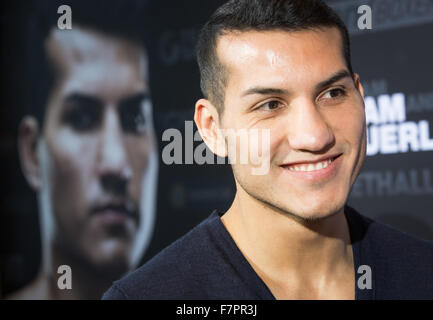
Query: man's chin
<point x="314" y="213"/>
<point x="301" y="206"/>
<point x="307" y="212"/>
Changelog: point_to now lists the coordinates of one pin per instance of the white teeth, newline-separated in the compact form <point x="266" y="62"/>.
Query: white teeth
<point x="311" y="166"/>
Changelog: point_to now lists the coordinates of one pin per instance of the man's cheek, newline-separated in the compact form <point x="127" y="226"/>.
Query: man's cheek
<point x="347" y="125"/>
<point x="259" y="151"/>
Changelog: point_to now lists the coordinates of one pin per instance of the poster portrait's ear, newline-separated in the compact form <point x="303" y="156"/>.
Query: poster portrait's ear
<point x="206" y="118"/>
<point x="28" y="133"/>
<point x="358" y="84"/>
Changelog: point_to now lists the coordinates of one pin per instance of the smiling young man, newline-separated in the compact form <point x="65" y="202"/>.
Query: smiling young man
<point x="284" y="67"/>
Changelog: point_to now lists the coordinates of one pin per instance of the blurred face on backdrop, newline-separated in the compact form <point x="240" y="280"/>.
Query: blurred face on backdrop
<point x="298" y="86"/>
<point x="96" y="151"/>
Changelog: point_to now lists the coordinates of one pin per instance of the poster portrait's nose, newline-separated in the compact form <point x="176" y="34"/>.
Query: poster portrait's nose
<point x="112" y="153"/>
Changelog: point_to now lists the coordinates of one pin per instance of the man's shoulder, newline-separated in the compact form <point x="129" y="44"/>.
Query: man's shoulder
<point x="402" y="264"/>
<point x="388" y="241"/>
<point x="169" y="274"/>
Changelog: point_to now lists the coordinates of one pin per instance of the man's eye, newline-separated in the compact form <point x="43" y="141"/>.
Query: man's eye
<point x="270" y="105"/>
<point x="334" y="93"/>
<point x="133" y="120"/>
<point x="82" y="119"/>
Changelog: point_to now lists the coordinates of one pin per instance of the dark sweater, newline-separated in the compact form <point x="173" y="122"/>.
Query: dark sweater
<point x="206" y="264"/>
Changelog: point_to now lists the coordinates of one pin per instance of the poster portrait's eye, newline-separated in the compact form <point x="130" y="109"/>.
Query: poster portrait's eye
<point x="82" y="113"/>
<point x="132" y="113"/>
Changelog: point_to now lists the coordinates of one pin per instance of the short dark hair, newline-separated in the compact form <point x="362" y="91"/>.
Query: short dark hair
<point x="258" y="15"/>
<point x="121" y="18"/>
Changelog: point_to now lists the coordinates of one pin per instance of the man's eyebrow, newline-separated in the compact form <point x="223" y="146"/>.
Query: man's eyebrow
<point x="264" y="91"/>
<point x="336" y="77"/>
<point x="277" y="91"/>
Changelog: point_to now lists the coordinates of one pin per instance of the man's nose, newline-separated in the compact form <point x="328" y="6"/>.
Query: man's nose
<point x="113" y="164"/>
<point x="308" y="129"/>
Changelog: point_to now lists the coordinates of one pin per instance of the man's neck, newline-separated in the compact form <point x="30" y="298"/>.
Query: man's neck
<point x="291" y="253"/>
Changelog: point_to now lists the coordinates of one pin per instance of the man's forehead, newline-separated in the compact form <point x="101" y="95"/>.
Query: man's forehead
<point x="281" y="55"/>
<point x="239" y="46"/>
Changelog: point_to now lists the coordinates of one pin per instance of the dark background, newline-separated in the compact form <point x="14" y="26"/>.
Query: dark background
<point x="394" y="57"/>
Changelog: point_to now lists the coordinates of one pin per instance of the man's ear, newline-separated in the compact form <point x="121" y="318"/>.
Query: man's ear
<point x="358" y="84"/>
<point x="28" y="134"/>
<point x="206" y="118"/>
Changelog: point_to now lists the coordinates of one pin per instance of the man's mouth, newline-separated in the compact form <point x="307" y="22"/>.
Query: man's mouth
<point x="317" y="169"/>
<point x="311" y="166"/>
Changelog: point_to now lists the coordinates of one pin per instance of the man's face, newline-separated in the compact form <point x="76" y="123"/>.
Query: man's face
<point x="297" y="85"/>
<point x="99" y="140"/>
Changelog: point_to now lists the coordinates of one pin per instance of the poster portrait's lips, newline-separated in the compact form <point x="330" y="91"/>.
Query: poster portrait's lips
<point x="115" y="213"/>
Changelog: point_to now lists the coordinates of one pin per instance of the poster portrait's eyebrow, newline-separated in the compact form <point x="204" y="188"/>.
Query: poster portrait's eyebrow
<point x="82" y="99"/>
<point x="135" y="98"/>
<point x="334" y="78"/>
